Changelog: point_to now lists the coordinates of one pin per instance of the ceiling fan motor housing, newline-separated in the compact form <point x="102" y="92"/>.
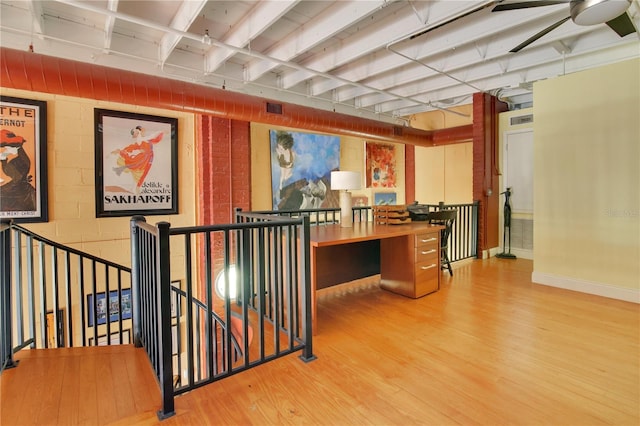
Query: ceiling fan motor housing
<point x="592" y="12"/>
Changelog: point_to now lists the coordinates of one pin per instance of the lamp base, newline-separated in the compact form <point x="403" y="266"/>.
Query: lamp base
<point x="346" y="215"/>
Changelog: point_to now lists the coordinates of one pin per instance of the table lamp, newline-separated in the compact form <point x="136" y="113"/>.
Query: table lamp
<point x="344" y="181"/>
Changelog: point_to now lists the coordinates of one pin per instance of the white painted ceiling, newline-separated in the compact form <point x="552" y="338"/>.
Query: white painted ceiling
<point x="383" y="60"/>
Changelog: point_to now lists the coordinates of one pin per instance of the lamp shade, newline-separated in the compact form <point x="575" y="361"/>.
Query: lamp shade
<point x="345" y="180"/>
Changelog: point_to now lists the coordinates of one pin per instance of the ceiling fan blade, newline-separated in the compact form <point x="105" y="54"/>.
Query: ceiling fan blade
<point x="526" y="5"/>
<point x="538" y="35"/>
<point x="622" y="25"/>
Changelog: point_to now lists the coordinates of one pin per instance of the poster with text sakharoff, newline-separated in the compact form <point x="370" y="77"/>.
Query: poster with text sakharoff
<point x="136" y="164"/>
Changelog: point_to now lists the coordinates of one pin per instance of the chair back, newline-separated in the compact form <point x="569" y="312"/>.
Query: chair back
<point x="446" y="219"/>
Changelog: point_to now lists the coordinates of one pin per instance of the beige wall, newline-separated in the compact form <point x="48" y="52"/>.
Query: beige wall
<point x="71" y="187"/>
<point x="352" y="157"/>
<point x="444" y="173"/>
<point x="587" y="181"/>
<point x="439" y="119"/>
<point x="71" y="177"/>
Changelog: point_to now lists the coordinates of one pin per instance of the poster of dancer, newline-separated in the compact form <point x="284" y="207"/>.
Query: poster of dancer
<point x="136" y="164"/>
<point x="23" y="160"/>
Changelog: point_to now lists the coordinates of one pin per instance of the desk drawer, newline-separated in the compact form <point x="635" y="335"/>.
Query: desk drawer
<point x="427" y="240"/>
<point x="427" y="253"/>
<point x="427" y="277"/>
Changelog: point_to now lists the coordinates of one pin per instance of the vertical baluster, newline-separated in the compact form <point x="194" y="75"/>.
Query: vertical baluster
<point x="67" y="293"/>
<point x="17" y="261"/>
<point x="210" y="359"/>
<point x="227" y="345"/>
<point x="189" y="306"/>
<point x="6" y="326"/>
<point x="43" y="294"/>
<point x="81" y="295"/>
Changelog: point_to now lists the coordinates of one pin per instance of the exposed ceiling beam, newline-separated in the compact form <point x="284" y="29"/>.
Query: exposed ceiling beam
<point x="112" y="5"/>
<point x="324" y="26"/>
<point x="263" y="15"/>
<point x="188" y="12"/>
<point x="37" y="21"/>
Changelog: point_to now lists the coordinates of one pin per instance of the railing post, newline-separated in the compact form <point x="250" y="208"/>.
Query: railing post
<point x="135" y="280"/>
<point x="164" y="305"/>
<point x="305" y="267"/>
<point x="6" y="345"/>
<point x="474" y="227"/>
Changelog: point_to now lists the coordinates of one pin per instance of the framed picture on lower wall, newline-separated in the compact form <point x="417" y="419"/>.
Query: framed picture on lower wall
<point x="114" y="339"/>
<point x="101" y="306"/>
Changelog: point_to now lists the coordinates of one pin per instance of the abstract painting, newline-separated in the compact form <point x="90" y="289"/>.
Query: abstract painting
<point x="301" y="165"/>
<point x="380" y="165"/>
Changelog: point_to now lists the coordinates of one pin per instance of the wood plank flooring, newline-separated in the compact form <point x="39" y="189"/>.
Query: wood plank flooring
<point x="79" y="386"/>
<point x="489" y="348"/>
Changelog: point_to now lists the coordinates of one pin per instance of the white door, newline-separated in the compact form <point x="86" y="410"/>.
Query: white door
<point x="518" y="176"/>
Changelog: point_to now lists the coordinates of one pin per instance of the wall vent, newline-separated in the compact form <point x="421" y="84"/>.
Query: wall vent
<point x="522" y="119"/>
<point x="274" y="108"/>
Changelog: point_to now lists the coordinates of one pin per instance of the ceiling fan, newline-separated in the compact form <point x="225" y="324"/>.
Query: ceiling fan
<point x="582" y="12"/>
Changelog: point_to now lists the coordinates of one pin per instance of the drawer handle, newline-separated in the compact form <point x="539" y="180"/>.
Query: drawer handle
<point x="428" y="251"/>
<point x="433" y="265"/>
<point x="429" y="240"/>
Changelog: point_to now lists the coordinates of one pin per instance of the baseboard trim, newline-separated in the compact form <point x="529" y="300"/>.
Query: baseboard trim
<point x="589" y="287"/>
<point x="522" y="253"/>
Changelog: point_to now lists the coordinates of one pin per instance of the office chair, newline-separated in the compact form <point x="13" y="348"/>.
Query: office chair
<point x="446" y="219"/>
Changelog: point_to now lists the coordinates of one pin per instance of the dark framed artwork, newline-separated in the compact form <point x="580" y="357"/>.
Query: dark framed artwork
<point x="23" y="160"/>
<point x="136" y="164"/>
<point x="112" y="306"/>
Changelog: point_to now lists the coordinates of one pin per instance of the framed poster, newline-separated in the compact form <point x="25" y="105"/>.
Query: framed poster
<point x="301" y="165"/>
<point x="102" y="306"/>
<point x="380" y="165"/>
<point x="23" y="160"/>
<point x="136" y="164"/>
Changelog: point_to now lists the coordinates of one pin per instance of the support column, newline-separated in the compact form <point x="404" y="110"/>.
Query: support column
<point x="485" y="168"/>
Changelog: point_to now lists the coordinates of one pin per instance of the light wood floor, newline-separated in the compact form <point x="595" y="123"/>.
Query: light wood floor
<point x="489" y="348"/>
<point x="70" y="386"/>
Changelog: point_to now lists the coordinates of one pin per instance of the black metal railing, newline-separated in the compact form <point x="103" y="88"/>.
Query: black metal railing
<point x="323" y="216"/>
<point x="463" y="241"/>
<point x="207" y="325"/>
<point x="55" y="296"/>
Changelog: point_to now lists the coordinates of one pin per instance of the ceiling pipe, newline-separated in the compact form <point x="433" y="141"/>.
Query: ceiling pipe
<point x="198" y="79"/>
<point x="46" y="74"/>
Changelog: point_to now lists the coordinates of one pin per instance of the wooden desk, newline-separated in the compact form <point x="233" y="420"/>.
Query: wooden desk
<point x="407" y="257"/>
